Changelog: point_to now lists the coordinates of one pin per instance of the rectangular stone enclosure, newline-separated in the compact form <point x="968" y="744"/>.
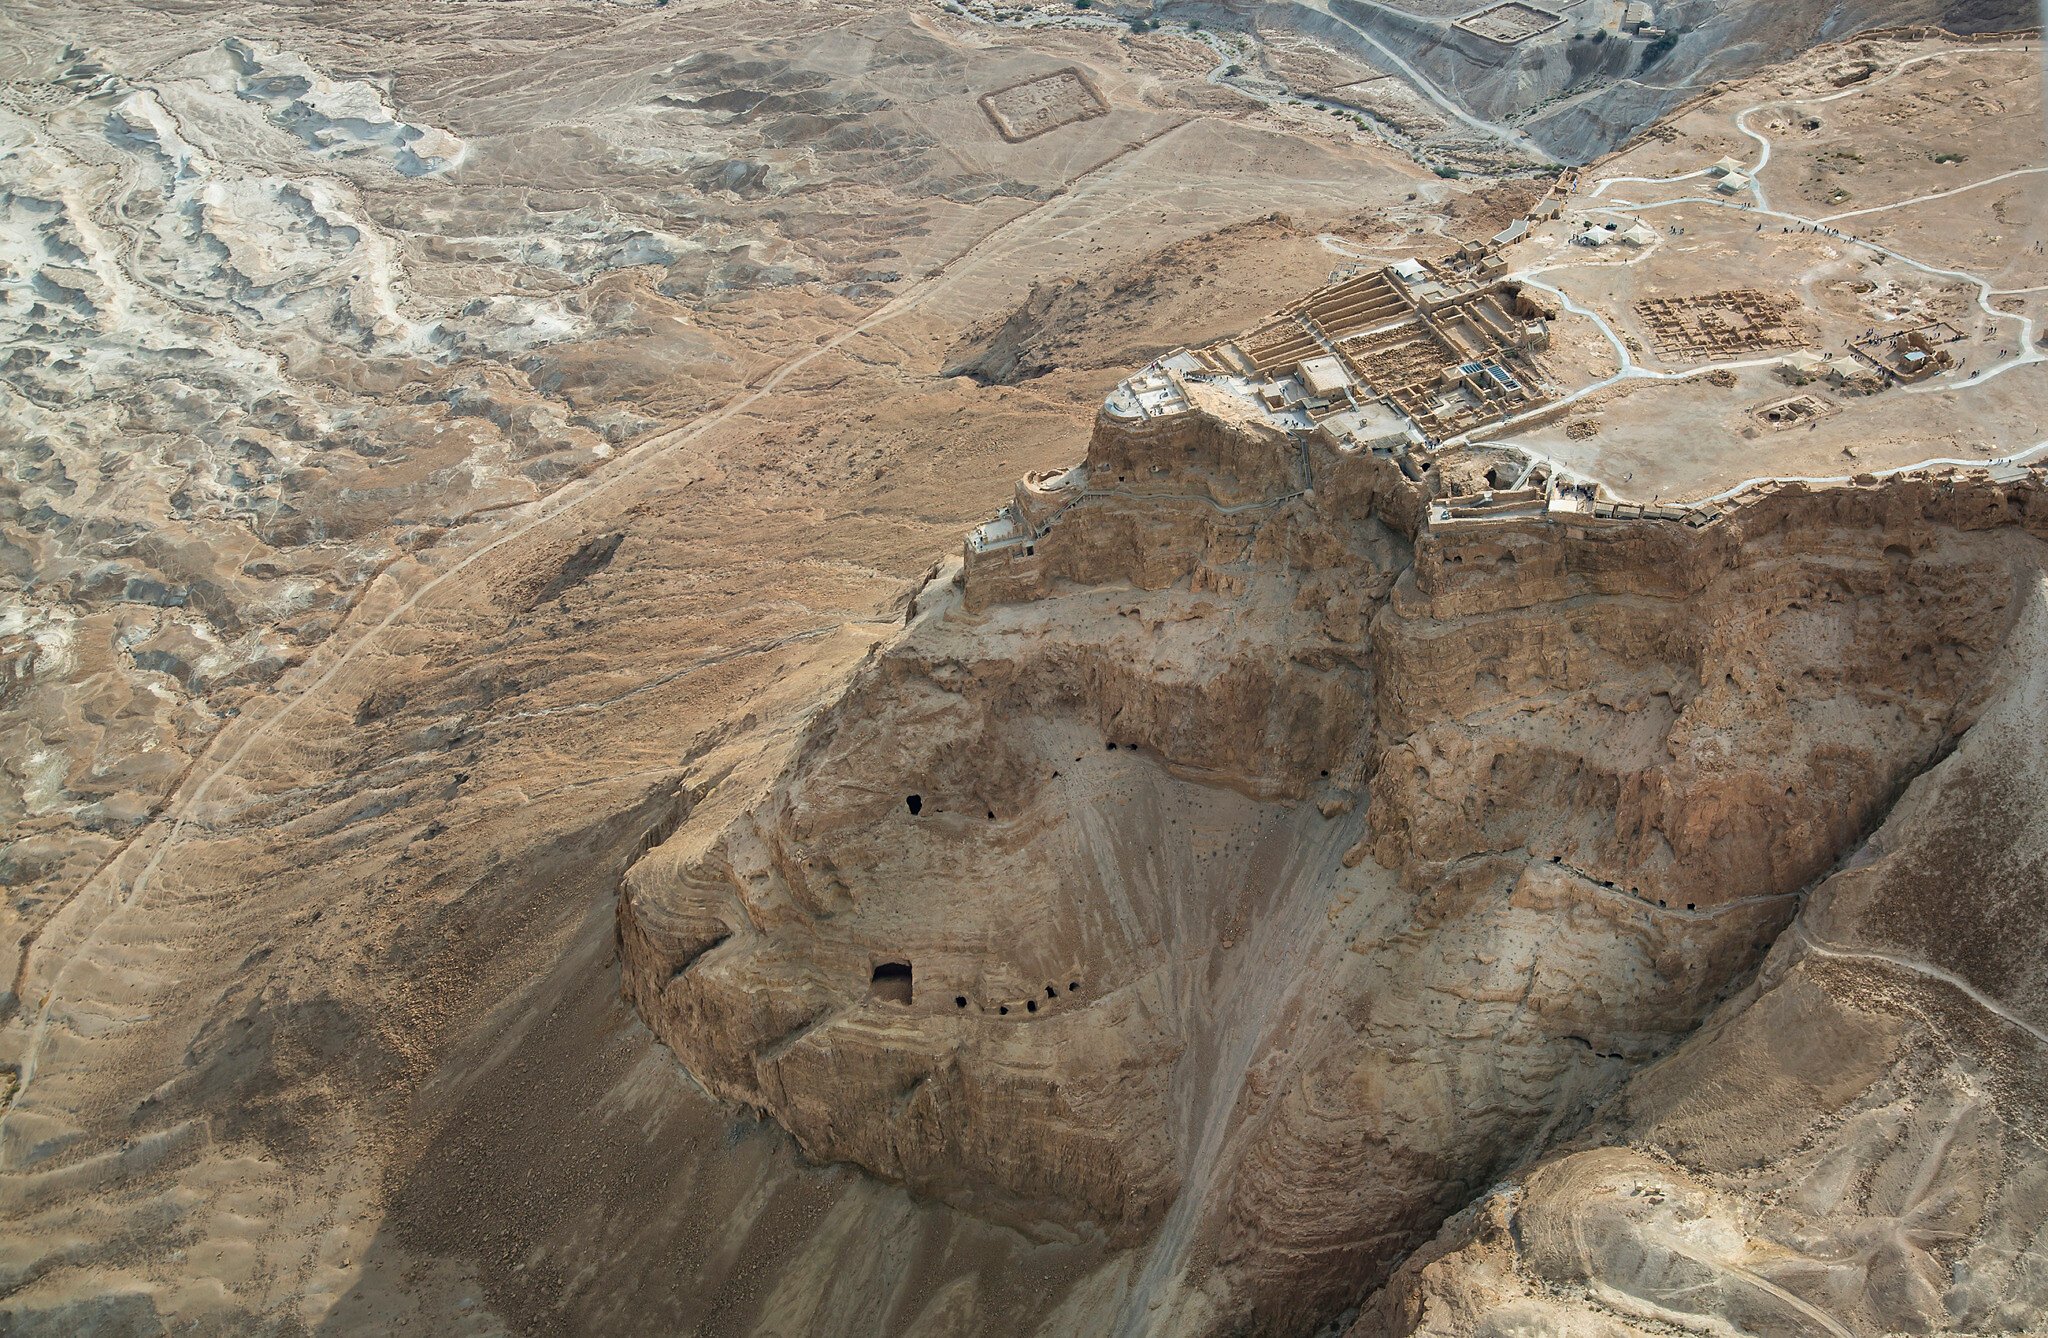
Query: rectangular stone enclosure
<point x="1027" y="110"/>
<point x="1510" y="23"/>
<point x="1717" y="325"/>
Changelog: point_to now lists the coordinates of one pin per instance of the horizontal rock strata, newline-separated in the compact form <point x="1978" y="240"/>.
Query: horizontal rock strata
<point x="1230" y="862"/>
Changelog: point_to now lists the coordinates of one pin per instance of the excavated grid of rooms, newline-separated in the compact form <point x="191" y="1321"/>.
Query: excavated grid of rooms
<point x="1443" y="352"/>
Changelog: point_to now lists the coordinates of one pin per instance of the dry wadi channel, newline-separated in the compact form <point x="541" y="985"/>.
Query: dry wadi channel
<point x="520" y="822"/>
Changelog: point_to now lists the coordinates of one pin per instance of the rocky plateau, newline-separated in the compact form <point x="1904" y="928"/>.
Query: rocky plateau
<point x="1250" y="869"/>
<point x="535" y="799"/>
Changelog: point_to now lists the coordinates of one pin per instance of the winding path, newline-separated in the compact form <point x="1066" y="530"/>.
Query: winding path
<point x="103" y="894"/>
<point x="2027" y="350"/>
<point x="1419" y="81"/>
<point x="1927" y="969"/>
<point x="1424" y="85"/>
<point x="1933" y="195"/>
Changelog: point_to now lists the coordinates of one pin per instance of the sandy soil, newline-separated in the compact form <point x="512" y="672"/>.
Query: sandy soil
<point x="333" y="1040"/>
<point x="445" y="428"/>
<point x="1920" y="239"/>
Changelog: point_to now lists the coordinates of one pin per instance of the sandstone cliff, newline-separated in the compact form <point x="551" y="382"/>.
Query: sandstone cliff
<point x="1850" y="1145"/>
<point x="1231" y="863"/>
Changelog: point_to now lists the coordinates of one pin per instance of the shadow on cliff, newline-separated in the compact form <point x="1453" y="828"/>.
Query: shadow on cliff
<point x="575" y="1180"/>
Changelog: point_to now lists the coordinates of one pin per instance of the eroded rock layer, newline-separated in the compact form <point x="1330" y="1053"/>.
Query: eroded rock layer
<point x="1231" y="862"/>
<point x="1852" y="1144"/>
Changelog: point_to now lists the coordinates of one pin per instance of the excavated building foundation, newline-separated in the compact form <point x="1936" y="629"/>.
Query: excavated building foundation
<point x="1237" y="866"/>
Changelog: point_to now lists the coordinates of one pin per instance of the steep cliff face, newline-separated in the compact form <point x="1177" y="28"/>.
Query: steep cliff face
<point x="1850" y="1145"/>
<point x="1234" y="864"/>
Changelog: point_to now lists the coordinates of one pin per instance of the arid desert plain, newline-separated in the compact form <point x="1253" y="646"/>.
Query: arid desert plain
<point x="945" y="667"/>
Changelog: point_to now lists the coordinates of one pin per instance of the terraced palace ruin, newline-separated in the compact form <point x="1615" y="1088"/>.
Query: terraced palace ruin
<point x="1116" y="894"/>
<point x="1325" y="795"/>
<point x="957" y="667"/>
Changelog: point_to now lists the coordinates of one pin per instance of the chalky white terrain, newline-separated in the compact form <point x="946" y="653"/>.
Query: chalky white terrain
<point x="959" y="667"/>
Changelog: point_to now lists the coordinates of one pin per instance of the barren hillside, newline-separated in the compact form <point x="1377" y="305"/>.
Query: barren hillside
<point x="841" y="668"/>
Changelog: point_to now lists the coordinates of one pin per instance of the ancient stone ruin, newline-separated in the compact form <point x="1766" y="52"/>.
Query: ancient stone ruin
<point x="1392" y="808"/>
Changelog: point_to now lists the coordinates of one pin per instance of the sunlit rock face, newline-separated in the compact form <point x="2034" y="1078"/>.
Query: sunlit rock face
<point x="1851" y="1144"/>
<point x="1238" y="866"/>
<point x="386" y="562"/>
